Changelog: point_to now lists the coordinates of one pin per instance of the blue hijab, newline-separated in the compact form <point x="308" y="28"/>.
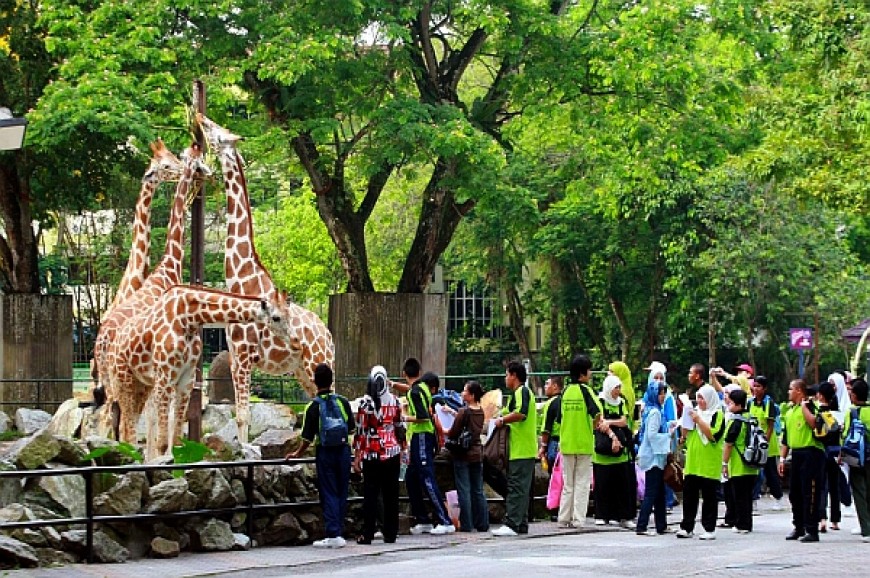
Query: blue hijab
<point x="650" y="402"/>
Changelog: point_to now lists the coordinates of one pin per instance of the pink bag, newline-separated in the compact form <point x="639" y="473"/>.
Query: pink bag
<point x="641" y="482"/>
<point x="554" y="492"/>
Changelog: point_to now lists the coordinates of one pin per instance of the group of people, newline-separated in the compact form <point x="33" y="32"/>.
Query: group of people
<point x="601" y="442"/>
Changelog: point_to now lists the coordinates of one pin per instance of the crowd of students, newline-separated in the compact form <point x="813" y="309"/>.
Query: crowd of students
<point x="600" y="442"/>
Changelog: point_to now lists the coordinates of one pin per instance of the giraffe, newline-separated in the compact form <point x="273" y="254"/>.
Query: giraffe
<point x="254" y="345"/>
<point x="167" y="273"/>
<point x="158" y="350"/>
<point x="164" y="166"/>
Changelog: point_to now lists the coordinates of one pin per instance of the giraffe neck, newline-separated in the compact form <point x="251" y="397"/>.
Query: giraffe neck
<point x="198" y="306"/>
<point x="138" y="263"/>
<point x="173" y="256"/>
<point x="244" y="272"/>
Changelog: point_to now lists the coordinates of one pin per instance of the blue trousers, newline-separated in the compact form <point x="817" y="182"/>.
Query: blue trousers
<point x="420" y="477"/>
<point x="653" y="501"/>
<point x="473" y="509"/>
<point x="333" y="478"/>
<point x="769" y="473"/>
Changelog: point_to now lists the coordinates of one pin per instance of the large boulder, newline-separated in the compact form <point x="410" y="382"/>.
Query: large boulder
<point x="163" y="548"/>
<point x="213" y="536"/>
<point x="10" y="488"/>
<point x="67" y="419"/>
<point x="170" y="496"/>
<point x="4" y="422"/>
<point x="62" y="494"/>
<point x="266" y="416"/>
<point x="28" y="421"/>
<point x="106" y="550"/>
<point x="211" y="489"/>
<point x="125" y="497"/>
<point x="17" y="554"/>
<point x="277" y="443"/>
<point x="220" y="380"/>
<point x="32" y="452"/>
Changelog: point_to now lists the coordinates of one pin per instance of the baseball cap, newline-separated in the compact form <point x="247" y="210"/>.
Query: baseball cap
<point x="746" y="367"/>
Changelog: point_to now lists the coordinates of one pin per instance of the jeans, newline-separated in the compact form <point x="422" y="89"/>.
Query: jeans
<point x="473" y="509"/>
<point x="653" y="501"/>
<point x="420" y="477"/>
<point x="333" y="478"/>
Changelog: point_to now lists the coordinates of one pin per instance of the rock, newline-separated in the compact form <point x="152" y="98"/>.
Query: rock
<point x="71" y="453"/>
<point x="229" y="432"/>
<point x="54" y="557"/>
<point x="242" y="542"/>
<point x="111" y="452"/>
<point x="29" y="536"/>
<point x="4" y="422"/>
<point x="284" y="529"/>
<point x="163" y="548"/>
<point x="214" y="535"/>
<point x="277" y="443"/>
<point x="211" y="489"/>
<point x="62" y="494"/>
<point x="106" y="550"/>
<point x="66" y="420"/>
<point x="14" y="553"/>
<point x="223" y="449"/>
<point x="170" y="496"/>
<point x="10" y="488"/>
<point x="28" y="421"/>
<point x="93" y="422"/>
<point x="124" y="498"/>
<point x="220" y="379"/>
<point x="215" y="416"/>
<point x="32" y="452"/>
<point x="266" y="416"/>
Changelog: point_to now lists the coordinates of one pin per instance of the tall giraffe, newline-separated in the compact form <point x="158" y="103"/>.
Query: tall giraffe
<point x="157" y="351"/>
<point x="167" y="273"/>
<point x="164" y="166"/>
<point x="255" y="345"/>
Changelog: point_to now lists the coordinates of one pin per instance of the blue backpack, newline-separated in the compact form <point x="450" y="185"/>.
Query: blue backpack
<point x="333" y="424"/>
<point x="855" y="450"/>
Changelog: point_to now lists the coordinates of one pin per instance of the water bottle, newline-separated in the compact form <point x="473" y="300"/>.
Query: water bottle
<point x="403" y="467"/>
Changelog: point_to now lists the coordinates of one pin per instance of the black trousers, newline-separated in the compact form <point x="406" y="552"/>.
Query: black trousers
<point x="738" y="501"/>
<point x="696" y="488"/>
<point x="381" y="480"/>
<point x="807" y="485"/>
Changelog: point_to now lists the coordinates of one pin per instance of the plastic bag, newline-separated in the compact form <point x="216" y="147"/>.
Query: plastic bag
<point x="554" y="492"/>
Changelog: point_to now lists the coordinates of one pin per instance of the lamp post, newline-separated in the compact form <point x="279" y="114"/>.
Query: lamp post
<point x="11" y="130"/>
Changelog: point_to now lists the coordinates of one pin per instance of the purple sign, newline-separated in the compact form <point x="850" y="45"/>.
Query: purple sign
<point x="801" y="338"/>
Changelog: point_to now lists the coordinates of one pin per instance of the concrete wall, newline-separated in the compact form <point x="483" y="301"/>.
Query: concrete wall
<point x="36" y="349"/>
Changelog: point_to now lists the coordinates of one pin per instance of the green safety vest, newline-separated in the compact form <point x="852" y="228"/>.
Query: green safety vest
<point x="798" y="434"/>
<point x="736" y="465"/>
<point x="705" y="460"/>
<point x="523" y="434"/>
<point x="425" y="426"/>
<point x="576" y="436"/>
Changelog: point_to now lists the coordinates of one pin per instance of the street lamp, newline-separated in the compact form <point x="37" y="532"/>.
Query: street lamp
<point x="11" y="130"/>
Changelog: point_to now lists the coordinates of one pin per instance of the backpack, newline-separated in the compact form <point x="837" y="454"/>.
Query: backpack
<point x="828" y="430"/>
<point x="333" y="425"/>
<point x="755" y="453"/>
<point x="450" y="398"/>
<point x="855" y="451"/>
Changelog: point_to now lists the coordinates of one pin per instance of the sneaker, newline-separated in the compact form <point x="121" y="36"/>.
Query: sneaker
<point x="649" y="532"/>
<point x="755" y="510"/>
<point x="707" y="536"/>
<point x="777" y="505"/>
<point x="739" y="531"/>
<point x="337" y="542"/>
<point x="503" y="531"/>
<point x="808" y="538"/>
<point x="442" y="529"/>
<point x="627" y="524"/>
<point x="599" y="522"/>
<point x="866" y="539"/>
<point x="856" y="531"/>
<point x="681" y="533"/>
<point x="379" y="535"/>
<point x="421" y="529"/>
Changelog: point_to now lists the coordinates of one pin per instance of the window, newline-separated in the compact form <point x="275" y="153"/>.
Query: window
<point x="471" y="312"/>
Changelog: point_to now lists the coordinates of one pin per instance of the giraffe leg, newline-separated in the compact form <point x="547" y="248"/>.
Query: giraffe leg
<point x="161" y="397"/>
<point x="241" y="370"/>
<point x="126" y="399"/>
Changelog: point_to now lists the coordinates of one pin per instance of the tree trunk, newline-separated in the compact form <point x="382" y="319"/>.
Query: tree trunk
<point x="19" y="257"/>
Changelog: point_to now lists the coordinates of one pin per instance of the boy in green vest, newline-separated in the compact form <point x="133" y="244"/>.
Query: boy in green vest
<point x="738" y="493"/>
<point x="521" y="416"/>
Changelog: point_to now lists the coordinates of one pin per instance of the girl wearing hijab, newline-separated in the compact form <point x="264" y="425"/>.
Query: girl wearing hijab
<point x="377" y="452"/>
<point x="827" y="398"/>
<point x="703" y="469"/>
<point x="621" y="370"/>
<point x="655" y="443"/>
<point x="658" y="374"/>
<point x="614" y="486"/>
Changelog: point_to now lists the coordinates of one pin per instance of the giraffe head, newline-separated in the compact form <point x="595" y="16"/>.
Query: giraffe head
<point x="193" y="155"/>
<point x="164" y="166"/>
<point x="219" y="139"/>
<point x="278" y="316"/>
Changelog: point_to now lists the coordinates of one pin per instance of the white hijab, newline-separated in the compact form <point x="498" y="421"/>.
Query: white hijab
<point x="711" y="397"/>
<point x="843" y="401"/>
<point x="607" y="389"/>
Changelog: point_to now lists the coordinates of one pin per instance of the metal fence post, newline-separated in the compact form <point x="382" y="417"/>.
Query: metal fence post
<point x="89" y="513"/>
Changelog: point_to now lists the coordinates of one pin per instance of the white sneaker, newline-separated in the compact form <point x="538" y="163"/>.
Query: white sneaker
<point x="650" y="532"/>
<point x="441" y="529"/>
<point x="599" y="522"/>
<point x="856" y="531"/>
<point x="627" y="524"/>
<point x="684" y="534"/>
<point x="503" y="531"/>
<point x="866" y="539"/>
<point x="379" y="535"/>
<point x="337" y="542"/>
<point x="739" y="531"/>
<point x="777" y="505"/>
<point x="707" y="536"/>
<point x="421" y="529"/>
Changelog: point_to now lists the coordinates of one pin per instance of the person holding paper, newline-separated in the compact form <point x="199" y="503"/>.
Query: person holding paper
<point x="703" y="469"/>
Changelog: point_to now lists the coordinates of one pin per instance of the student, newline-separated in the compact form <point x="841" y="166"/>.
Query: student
<point x="859" y="477"/>
<point x="420" y="475"/>
<point x="765" y="410"/>
<point x="703" y="464"/>
<point x="581" y="414"/>
<point x="520" y="415"/>
<point x="468" y="467"/>
<point x="807" y="462"/>
<point x="332" y="462"/>
<point x="741" y="477"/>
